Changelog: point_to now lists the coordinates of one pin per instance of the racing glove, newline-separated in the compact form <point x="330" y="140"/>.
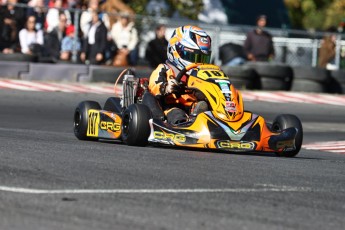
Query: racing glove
<point x="171" y="86"/>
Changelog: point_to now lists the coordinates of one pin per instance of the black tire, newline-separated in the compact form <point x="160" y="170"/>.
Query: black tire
<point x="300" y="85"/>
<point x="317" y="74"/>
<point x="285" y="121"/>
<point x="135" y="125"/>
<point x="243" y="77"/>
<point x="81" y="117"/>
<point x="274" y="84"/>
<point x="274" y="76"/>
<point x="113" y="104"/>
<point x="338" y="81"/>
<point x="229" y="51"/>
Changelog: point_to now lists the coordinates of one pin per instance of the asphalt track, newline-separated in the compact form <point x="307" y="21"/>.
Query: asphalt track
<point x="51" y="180"/>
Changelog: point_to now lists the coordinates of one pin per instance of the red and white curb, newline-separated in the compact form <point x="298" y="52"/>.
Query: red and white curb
<point x="329" y="146"/>
<point x="296" y="97"/>
<point x="106" y="88"/>
<point x="57" y="87"/>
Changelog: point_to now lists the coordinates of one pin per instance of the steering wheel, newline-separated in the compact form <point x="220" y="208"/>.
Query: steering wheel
<point x="184" y="71"/>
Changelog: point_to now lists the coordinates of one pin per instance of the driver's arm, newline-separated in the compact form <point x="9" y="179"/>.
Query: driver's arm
<point x="158" y="81"/>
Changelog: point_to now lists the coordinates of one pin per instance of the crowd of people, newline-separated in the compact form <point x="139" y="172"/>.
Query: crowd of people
<point x="46" y="28"/>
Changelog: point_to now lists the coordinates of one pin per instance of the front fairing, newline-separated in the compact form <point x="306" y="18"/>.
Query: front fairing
<point x="218" y="90"/>
<point x="206" y="131"/>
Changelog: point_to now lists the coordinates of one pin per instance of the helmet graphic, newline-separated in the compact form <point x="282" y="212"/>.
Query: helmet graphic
<point x="189" y="44"/>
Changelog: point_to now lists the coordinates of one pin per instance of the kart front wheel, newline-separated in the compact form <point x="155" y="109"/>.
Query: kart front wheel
<point x="285" y="121"/>
<point x="81" y="118"/>
<point x="135" y="125"/>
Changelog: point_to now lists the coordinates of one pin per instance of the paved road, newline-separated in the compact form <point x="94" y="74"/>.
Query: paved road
<point x="50" y="180"/>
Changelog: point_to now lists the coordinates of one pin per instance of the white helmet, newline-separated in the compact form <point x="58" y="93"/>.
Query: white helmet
<point x="189" y="44"/>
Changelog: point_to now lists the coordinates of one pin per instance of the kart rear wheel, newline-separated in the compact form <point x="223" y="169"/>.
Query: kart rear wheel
<point x="135" y="125"/>
<point x="81" y="119"/>
<point x="113" y="104"/>
<point x="285" y="121"/>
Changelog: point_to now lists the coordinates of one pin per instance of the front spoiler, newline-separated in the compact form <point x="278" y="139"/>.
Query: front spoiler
<point x="274" y="142"/>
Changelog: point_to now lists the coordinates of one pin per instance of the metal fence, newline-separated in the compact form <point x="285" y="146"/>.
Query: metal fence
<point x="292" y="47"/>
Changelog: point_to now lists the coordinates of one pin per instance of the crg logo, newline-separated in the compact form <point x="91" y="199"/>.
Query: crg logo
<point x="171" y="136"/>
<point x="236" y="145"/>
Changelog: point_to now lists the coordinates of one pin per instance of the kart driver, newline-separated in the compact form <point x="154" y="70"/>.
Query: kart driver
<point x="167" y="98"/>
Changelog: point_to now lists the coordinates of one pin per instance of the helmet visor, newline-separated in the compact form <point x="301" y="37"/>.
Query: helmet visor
<point x="196" y="57"/>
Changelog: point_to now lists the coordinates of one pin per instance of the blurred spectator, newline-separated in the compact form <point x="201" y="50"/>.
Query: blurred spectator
<point x="68" y="44"/>
<point x="73" y="4"/>
<point x="12" y="20"/>
<point x="156" y="50"/>
<point x="327" y="51"/>
<point x="54" y="38"/>
<point x="31" y="40"/>
<point x="232" y="54"/>
<point x="125" y="36"/>
<point x="94" y="45"/>
<point x="52" y="17"/>
<point x="37" y="9"/>
<point x="8" y="34"/>
<point x="86" y="17"/>
<point x="15" y="13"/>
<point x="258" y="44"/>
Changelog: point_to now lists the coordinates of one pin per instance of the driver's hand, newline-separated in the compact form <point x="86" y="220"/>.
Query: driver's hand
<point x="171" y="86"/>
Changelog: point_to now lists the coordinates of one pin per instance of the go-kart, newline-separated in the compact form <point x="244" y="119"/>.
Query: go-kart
<point x="224" y="126"/>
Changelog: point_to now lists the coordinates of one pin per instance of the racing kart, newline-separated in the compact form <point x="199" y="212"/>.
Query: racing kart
<point x="225" y="126"/>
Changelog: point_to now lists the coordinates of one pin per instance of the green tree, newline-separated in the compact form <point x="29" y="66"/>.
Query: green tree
<point x="315" y="14"/>
<point x="335" y="13"/>
<point x="186" y="8"/>
<point x="138" y="6"/>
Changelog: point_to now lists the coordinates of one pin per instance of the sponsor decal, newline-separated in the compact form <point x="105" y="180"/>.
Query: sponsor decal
<point x="236" y="145"/>
<point x="211" y="74"/>
<point x="92" y="123"/>
<point x="287" y="145"/>
<point x="223" y="81"/>
<point x="224" y="87"/>
<point x="113" y="126"/>
<point x="230" y="106"/>
<point x="169" y="136"/>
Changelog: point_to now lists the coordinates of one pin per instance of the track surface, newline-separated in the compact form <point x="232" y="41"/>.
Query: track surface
<point x="50" y="180"/>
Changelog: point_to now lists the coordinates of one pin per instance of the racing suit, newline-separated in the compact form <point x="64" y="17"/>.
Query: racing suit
<point x="175" y="105"/>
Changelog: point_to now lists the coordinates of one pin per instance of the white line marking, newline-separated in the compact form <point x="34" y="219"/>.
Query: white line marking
<point x="154" y="191"/>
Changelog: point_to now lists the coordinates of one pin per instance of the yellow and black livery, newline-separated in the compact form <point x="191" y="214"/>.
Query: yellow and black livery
<point x="224" y="126"/>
